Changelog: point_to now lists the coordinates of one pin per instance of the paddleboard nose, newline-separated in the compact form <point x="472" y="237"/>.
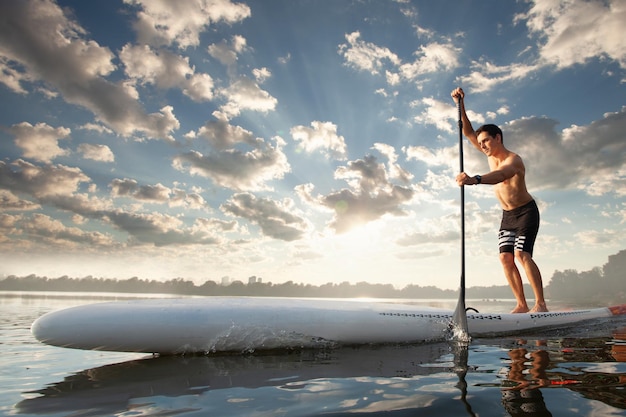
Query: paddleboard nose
<point x="53" y="328"/>
<point x="43" y="328"/>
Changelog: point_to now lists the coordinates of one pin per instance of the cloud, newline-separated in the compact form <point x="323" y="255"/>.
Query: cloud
<point x="567" y="33"/>
<point x="11" y="202"/>
<point x="165" y="70"/>
<point x="53" y="232"/>
<point x="157" y="193"/>
<point x="371" y="195"/>
<point x="164" y="22"/>
<point x="429" y="238"/>
<point x="40" y="142"/>
<point x="227" y="53"/>
<point x="588" y="157"/>
<point x="39" y="39"/>
<point x="276" y="219"/>
<point x="575" y="158"/>
<point x="101" y="153"/>
<point x="365" y="56"/>
<point x="575" y="32"/>
<point x="246" y="94"/>
<point x="12" y="77"/>
<point x="321" y="135"/>
<point x="485" y="76"/>
<point x="441" y="114"/>
<point x="93" y="127"/>
<point x="431" y="58"/>
<point x="437" y="157"/>
<point x="393" y="168"/>
<point x="236" y="169"/>
<point x="160" y="229"/>
<point x="593" y="238"/>
<point x="58" y="186"/>
<point x="40" y="181"/>
<point x="153" y="193"/>
<point x="222" y="135"/>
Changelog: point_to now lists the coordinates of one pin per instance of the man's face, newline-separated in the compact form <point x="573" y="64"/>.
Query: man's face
<point x="487" y="142"/>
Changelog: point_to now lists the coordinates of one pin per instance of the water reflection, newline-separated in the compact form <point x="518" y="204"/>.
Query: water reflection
<point x="528" y="371"/>
<point x="441" y="378"/>
<point x="111" y="388"/>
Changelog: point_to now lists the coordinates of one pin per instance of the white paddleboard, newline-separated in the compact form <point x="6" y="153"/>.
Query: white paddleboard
<point x="244" y="324"/>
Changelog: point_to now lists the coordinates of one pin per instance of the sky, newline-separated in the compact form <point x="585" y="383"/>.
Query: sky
<point x="311" y="141"/>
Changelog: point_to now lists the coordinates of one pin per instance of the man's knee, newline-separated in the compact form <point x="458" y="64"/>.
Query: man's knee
<point x="507" y="259"/>
<point x="523" y="257"/>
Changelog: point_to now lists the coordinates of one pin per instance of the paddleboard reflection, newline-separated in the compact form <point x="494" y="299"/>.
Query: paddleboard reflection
<point x="110" y="389"/>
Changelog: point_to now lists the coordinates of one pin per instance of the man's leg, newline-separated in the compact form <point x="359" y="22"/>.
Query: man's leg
<point x="515" y="281"/>
<point x="534" y="277"/>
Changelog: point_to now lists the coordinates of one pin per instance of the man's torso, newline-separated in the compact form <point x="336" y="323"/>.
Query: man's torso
<point x="511" y="193"/>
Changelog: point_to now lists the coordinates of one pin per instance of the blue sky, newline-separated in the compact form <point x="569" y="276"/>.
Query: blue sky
<point x="312" y="141"/>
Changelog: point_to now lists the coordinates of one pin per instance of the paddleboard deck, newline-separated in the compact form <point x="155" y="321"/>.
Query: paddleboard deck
<point x="245" y="324"/>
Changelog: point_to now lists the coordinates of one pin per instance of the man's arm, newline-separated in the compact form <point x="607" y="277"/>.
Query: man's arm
<point x="503" y="173"/>
<point x="458" y="95"/>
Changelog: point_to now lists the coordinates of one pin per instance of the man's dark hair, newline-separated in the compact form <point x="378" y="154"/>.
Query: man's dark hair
<point x="492" y="130"/>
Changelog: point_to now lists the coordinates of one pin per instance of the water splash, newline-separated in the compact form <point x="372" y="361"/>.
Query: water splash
<point x="458" y="334"/>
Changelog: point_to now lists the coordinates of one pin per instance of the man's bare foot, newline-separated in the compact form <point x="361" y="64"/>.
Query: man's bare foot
<point x="520" y="309"/>
<point x="539" y="308"/>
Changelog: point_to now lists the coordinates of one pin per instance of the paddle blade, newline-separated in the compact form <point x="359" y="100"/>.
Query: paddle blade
<point x="460" y="331"/>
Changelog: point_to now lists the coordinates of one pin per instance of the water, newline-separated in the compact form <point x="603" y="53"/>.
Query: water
<point x="578" y="371"/>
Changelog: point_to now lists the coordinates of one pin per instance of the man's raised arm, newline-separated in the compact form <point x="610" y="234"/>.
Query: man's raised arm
<point x="458" y="95"/>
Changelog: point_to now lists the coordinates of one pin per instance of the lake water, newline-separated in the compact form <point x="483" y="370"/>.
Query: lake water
<point x="579" y="371"/>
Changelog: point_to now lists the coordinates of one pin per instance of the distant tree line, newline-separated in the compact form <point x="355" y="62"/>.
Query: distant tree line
<point x="599" y="284"/>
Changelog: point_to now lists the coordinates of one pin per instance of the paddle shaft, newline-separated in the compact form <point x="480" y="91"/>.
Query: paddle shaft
<point x="459" y="316"/>
<point x="461" y="169"/>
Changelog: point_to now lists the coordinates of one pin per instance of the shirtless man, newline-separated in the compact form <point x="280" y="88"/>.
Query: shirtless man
<point x="520" y="215"/>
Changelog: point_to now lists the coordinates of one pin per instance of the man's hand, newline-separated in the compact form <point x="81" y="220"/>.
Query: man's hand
<point x="464" y="179"/>
<point x="457" y="94"/>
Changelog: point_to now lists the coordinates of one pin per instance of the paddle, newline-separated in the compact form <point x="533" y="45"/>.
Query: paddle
<point x="459" y="318"/>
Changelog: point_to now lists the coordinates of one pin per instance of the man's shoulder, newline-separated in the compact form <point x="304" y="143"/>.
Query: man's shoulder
<point x="512" y="157"/>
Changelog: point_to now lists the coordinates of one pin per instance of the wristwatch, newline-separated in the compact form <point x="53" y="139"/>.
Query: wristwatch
<point x="478" y="179"/>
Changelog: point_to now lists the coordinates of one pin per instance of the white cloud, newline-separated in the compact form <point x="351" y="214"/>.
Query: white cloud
<point x="164" y="22"/>
<point x="393" y="168"/>
<point x="158" y="194"/>
<point x="276" y="219"/>
<point x="100" y="153"/>
<point x="165" y="70"/>
<point x="431" y="58"/>
<point x="235" y="169"/>
<point x="371" y="195"/>
<point x="12" y="77"/>
<point x="245" y="94"/>
<point x="576" y="31"/>
<point x="580" y="156"/>
<point x="54" y="232"/>
<point x="227" y="52"/>
<point x="321" y="135"/>
<point x="261" y="74"/>
<point x="485" y="76"/>
<point x="366" y="56"/>
<point x="567" y="33"/>
<point x="94" y="127"/>
<point x="41" y="181"/>
<point x="49" y="46"/>
<point x="40" y="142"/>
<point x="442" y="114"/>
<point x="11" y="202"/>
<point x="222" y="135"/>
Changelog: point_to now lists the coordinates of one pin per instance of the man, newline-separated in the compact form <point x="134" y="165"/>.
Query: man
<point x="520" y="215"/>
